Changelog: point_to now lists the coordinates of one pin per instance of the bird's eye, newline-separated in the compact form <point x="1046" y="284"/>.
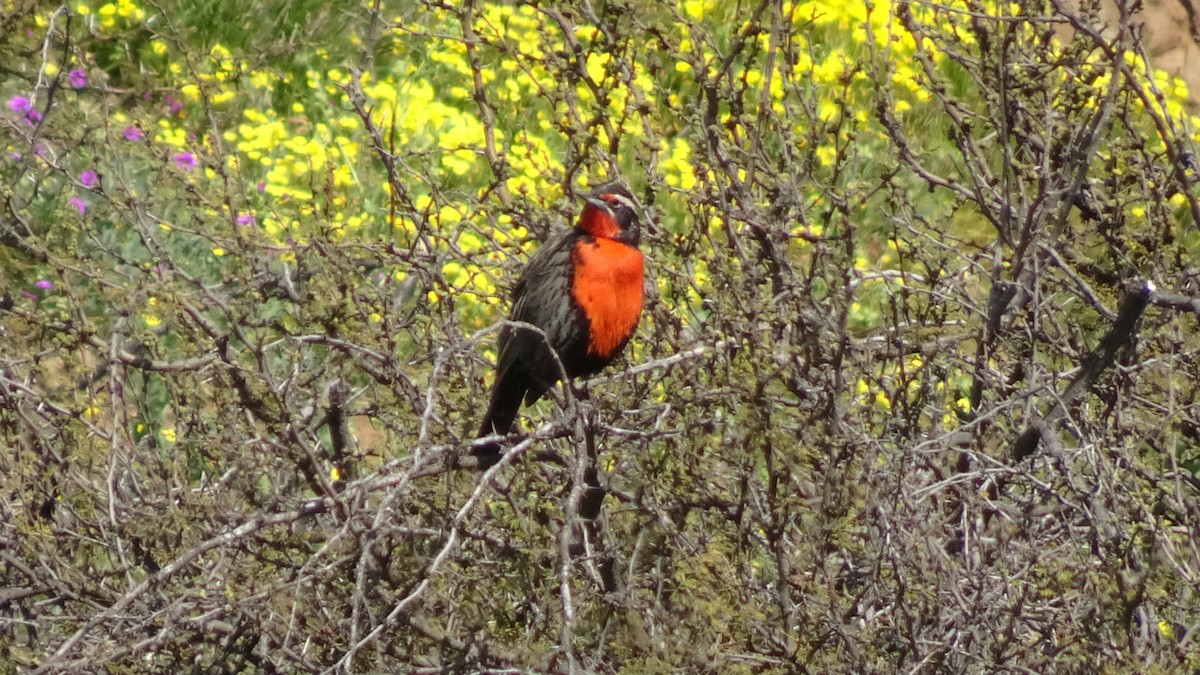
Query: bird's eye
<point x="616" y="201"/>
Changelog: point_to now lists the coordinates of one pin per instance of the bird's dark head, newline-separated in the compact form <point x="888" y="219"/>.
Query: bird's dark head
<point x="611" y="213"/>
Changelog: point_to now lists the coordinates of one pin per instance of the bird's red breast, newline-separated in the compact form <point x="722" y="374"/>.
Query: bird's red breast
<point x="608" y="286"/>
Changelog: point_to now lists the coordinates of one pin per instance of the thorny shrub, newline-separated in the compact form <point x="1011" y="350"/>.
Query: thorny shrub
<point x="915" y="388"/>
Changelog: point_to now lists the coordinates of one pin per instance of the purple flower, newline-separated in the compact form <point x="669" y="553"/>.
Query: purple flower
<point x="185" y="161"/>
<point x="44" y="284"/>
<point x="245" y="219"/>
<point x="31" y="296"/>
<point x="132" y="133"/>
<point x="78" y="78"/>
<point x="79" y="204"/>
<point x="173" y="105"/>
<point x="24" y="107"/>
<point x="89" y="177"/>
<point x="262" y="186"/>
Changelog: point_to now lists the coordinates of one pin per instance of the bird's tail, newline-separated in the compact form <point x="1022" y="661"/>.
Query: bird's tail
<point x="501" y="414"/>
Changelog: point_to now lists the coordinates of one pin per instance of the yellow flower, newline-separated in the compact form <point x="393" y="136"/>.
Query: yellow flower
<point x="882" y="401"/>
<point x="694" y="8"/>
<point x="127" y="9"/>
<point x="261" y="80"/>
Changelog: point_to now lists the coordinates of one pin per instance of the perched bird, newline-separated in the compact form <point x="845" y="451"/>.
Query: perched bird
<point x="583" y="289"/>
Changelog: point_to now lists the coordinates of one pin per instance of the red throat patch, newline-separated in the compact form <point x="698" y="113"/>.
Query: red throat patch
<point x="598" y="222"/>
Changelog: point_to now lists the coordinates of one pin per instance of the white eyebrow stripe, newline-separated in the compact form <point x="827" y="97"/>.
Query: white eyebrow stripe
<point x="622" y="199"/>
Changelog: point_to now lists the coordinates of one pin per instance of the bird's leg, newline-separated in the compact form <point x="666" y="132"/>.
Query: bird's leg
<point x="581" y="397"/>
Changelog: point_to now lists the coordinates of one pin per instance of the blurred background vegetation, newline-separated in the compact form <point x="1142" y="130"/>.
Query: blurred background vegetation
<point x="915" y="388"/>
